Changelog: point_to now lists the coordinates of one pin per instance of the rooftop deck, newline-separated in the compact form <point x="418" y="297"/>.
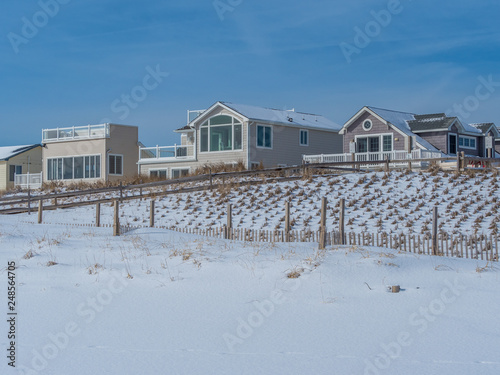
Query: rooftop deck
<point x="75" y="133"/>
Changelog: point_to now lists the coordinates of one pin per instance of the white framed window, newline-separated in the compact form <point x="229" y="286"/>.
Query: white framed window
<point x="367" y="125"/>
<point x="158" y="173"/>
<point x="13" y="170"/>
<point x="467" y="142"/>
<point x="115" y="165"/>
<point x="221" y="133"/>
<point x="375" y="143"/>
<point x="304" y="137"/>
<point x="264" y="136"/>
<point x="179" y="172"/>
<point x="74" y="167"/>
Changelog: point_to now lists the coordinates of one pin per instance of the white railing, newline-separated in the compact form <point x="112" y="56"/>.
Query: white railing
<point x="396" y="155"/>
<point x="75" y="132"/>
<point x="166" y="153"/>
<point x="28" y="181"/>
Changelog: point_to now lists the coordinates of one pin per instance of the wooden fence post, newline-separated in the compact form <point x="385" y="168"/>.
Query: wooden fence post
<point x="121" y="191"/>
<point x="462" y="166"/>
<point x="98" y="215"/>
<point x="40" y="211"/>
<point x="434" y="231"/>
<point x="229" y="225"/>
<point x="322" y="230"/>
<point x="29" y="201"/>
<point x="287" y="221"/>
<point x="387" y="163"/>
<point x="116" y="219"/>
<point x="342" y="222"/>
<point x="459" y="161"/>
<point x="152" y="213"/>
<point x="210" y="173"/>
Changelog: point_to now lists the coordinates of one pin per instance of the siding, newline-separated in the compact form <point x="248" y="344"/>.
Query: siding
<point x="286" y="149"/>
<point x="75" y="148"/>
<point x="378" y="127"/>
<point x="3" y="175"/>
<point x="124" y="141"/>
<point x="437" y="139"/>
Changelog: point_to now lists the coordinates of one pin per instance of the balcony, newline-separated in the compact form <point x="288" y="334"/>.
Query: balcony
<point x="166" y="154"/>
<point x="75" y="133"/>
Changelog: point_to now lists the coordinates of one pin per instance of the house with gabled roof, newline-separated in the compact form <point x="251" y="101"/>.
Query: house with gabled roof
<point x="230" y="133"/>
<point x="18" y="161"/>
<point x="376" y="130"/>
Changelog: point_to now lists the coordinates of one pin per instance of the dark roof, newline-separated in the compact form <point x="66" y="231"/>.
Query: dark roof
<point x="187" y="127"/>
<point x="484" y="127"/>
<point x="437" y="122"/>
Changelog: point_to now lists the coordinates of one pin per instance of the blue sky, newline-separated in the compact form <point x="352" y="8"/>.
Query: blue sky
<point x="84" y="57"/>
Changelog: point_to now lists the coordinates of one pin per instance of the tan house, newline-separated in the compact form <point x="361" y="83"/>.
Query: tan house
<point x="19" y="161"/>
<point x="231" y="133"/>
<point x="105" y="152"/>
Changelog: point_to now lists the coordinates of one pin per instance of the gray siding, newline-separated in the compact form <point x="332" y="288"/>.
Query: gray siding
<point x="286" y="148"/>
<point x="437" y="139"/>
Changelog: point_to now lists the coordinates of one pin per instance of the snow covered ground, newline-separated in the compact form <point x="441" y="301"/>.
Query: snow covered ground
<point x="375" y="202"/>
<point x="159" y="302"/>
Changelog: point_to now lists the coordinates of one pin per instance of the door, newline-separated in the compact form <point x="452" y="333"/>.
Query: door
<point x="452" y="145"/>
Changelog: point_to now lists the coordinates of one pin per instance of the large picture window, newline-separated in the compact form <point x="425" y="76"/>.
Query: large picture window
<point x="221" y="133"/>
<point x="264" y="136"/>
<point x="74" y="167"/>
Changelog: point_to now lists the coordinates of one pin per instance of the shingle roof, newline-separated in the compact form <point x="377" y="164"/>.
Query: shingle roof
<point x="483" y="126"/>
<point x="431" y="122"/>
<point x="10" y="151"/>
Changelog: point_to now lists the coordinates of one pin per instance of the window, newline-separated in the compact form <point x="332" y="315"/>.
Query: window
<point x="362" y="145"/>
<point x="377" y="143"/>
<point x="74" y="167"/>
<point x="467" y="142"/>
<point x="367" y="125"/>
<point x="115" y="164"/>
<point x="264" y="136"/>
<point x="13" y="170"/>
<point x="387" y="142"/>
<point x="180" y="172"/>
<point x="158" y="173"/>
<point x="374" y="144"/>
<point x="221" y="133"/>
<point x="304" y="138"/>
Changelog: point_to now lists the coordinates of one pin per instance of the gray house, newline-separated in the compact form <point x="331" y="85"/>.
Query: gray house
<point x="231" y="133"/>
<point x="376" y="130"/>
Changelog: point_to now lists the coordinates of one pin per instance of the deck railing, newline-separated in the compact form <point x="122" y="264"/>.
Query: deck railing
<point x="396" y="155"/>
<point x="28" y="180"/>
<point x="166" y="153"/>
<point x="75" y="132"/>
